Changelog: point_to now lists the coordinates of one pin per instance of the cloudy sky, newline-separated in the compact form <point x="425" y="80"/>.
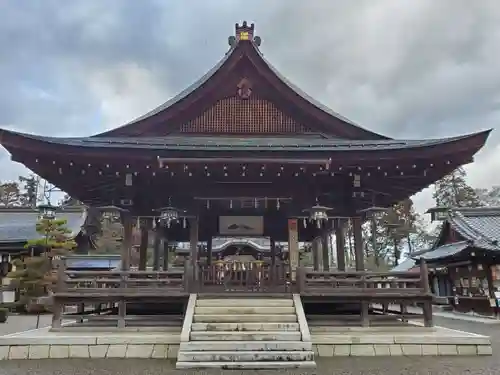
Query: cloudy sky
<point x="407" y="69"/>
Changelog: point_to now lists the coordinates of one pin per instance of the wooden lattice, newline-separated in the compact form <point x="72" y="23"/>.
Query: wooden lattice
<point x="234" y="115"/>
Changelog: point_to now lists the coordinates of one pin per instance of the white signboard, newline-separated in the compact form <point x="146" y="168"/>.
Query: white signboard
<point x="241" y="225"/>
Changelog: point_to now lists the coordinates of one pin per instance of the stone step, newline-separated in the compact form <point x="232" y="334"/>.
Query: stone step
<point x="216" y="302"/>
<point x="245" y="346"/>
<point x="219" y="310"/>
<point x="247" y="365"/>
<point x="240" y="327"/>
<point x="240" y="356"/>
<point x="281" y="318"/>
<point x="245" y="336"/>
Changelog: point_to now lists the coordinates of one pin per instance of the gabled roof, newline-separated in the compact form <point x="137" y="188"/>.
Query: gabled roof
<point x="19" y="224"/>
<point x="245" y="51"/>
<point x="479" y="228"/>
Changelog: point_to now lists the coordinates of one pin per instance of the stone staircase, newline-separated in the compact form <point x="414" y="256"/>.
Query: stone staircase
<point x="245" y="333"/>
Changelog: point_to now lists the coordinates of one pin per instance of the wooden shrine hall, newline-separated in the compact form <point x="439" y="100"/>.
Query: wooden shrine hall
<point x="243" y="152"/>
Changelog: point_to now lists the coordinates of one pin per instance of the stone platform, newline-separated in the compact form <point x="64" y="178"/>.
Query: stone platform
<point x="164" y="343"/>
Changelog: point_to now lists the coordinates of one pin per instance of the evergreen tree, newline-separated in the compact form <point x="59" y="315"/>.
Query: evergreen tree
<point x="33" y="276"/>
<point x="453" y="191"/>
<point x="489" y="197"/>
<point x="9" y="194"/>
<point x="109" y="237"/>
<point x="29" y="196"/>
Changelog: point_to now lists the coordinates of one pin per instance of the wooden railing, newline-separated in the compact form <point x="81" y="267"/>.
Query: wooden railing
<point x="119" y="282"/>
<point x="235" y="276"/>
<point x="360" y="283"/>
<point x="404" y="288"/>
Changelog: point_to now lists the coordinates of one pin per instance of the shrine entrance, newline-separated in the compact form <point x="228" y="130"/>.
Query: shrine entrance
<point x="244" y="265"/>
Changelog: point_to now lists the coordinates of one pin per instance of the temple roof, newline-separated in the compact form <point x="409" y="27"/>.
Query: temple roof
<point x="478" y="227"/>
<point x="220" y="143"/>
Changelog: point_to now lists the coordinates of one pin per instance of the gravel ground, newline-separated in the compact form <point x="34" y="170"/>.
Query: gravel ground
<point x="344" y="366"/>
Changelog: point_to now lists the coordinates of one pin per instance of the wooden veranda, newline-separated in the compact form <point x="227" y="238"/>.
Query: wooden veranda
<point x="107" y="289"/>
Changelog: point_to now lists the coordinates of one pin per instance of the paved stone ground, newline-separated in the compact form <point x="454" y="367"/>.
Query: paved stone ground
<point x="18" y="323"/>
<point x="337" y="366"/>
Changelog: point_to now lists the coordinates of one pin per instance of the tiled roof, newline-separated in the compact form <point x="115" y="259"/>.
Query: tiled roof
<point x="19" y="225"/>
<point x="480" y="227"/>
<point x="445" y="250"/>
<point x="177" y="143"/>
<point x="405" y="265"/>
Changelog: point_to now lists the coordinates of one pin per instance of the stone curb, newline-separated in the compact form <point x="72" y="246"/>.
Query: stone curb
<point x="170" y="351"/>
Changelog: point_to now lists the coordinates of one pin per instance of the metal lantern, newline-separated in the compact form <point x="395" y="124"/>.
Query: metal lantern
<point x="170" y="214"/>
<point x="47" y="211"/>
<point x="318" y="214"/>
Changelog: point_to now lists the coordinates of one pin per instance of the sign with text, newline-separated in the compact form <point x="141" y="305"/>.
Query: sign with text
<point x="241" y="225"/>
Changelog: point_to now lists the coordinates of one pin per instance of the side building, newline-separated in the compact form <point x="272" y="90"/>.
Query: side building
<point x="18" y="226"/>
<point x="464" y="262"/>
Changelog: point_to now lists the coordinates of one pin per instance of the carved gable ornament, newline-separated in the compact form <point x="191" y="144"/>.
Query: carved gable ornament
<point x="244" y="88"/>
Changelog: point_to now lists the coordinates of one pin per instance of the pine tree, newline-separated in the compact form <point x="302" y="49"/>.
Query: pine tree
<point x="33" y="276"/>
<point x="9" y="194"/>
<point x="453" y="191"/>
<point x="29" y="196"/>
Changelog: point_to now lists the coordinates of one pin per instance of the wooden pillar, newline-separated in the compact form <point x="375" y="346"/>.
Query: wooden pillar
<point x="424" y="279"/>
<point x="360" y="265"/>
<point x="156" y="247"/>
<point x="340" y="244"/>
<point x="193" y="242"/>
<point x="315" y="254"/>
<point x="273" y="251"/>
<point x="293" y="247"/>
<point x="143" y="248"/>
<point x="127" y="240"/>
<point x="166" y="253"/>
<point x="325" y="247"/>
<point x="358" y="244"/>
<point x="209" y="250"/>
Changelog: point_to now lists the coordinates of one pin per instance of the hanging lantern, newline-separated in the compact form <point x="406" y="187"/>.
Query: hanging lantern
<point x="169" y="214"/>
<point x="318" y="214"/>
<point x="47" y="211"/>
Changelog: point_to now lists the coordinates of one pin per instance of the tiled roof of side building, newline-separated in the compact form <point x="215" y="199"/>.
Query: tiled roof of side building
<point x="19" y="225"/>
<point x="480" y="227"/>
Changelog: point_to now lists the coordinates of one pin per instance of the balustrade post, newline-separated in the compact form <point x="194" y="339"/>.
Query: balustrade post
<point x="122" y="306"/>
<point x="365" y="317"/>
<point x="301" y="279"/>
<point x="57" y="306"/>
<point x="424" y="281"/>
